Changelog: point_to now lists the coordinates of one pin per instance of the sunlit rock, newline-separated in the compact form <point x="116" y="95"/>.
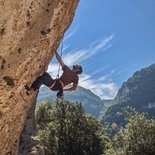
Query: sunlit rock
<point x="30" y="32"/>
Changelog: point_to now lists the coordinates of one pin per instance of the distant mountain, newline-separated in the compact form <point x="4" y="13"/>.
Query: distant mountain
<point x="91" y="102"/>
<point x="106" y="105"/>
<point x="138" y="92"/>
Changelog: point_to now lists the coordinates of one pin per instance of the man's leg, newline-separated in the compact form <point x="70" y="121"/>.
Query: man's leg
<point x="45" y="79"/>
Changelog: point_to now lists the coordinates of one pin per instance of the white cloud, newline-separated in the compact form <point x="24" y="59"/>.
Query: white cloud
<point x="112" y="72"/>
<point x="101" y="87"/>
<point x="71" y="33"/>
<point x="77" y="56"/>
<point x="100" y="69"/>
<point x="103" y="78"/>
<point x="150" y="106"/>
<point x="64" y="46"/>
<point x="73" y="58"/>
<point x="53" y="70"/>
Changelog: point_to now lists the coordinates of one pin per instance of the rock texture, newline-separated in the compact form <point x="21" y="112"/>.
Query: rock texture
<point x="30" y="32"/>
<point x="29" y="141"/>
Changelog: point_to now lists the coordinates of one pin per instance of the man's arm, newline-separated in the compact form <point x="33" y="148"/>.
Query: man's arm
<point x="71" y="88"/>
<point x="59" y="59"/>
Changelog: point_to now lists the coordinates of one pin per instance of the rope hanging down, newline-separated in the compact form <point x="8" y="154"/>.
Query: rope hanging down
<point x="61" y="50"/>
<point x="60" y="99"/>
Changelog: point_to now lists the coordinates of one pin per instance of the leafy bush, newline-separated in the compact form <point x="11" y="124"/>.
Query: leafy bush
<point x="137" y="138"/>
<point x="64" y="129"/>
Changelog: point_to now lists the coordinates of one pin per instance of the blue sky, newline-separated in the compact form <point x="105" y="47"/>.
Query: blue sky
<point x="111" y="39"/>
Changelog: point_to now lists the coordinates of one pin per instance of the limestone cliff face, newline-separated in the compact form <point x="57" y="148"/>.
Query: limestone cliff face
<point x="29" y="141"/>
<point x="30" y="32"/>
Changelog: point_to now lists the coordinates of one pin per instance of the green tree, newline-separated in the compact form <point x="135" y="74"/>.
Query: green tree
<point x="137" y="138"/>
<point x="71" y="132"/>
<point x="43" y="114"/>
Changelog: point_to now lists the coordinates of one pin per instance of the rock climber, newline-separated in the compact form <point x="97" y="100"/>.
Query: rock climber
<point x="69" y="76"/>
